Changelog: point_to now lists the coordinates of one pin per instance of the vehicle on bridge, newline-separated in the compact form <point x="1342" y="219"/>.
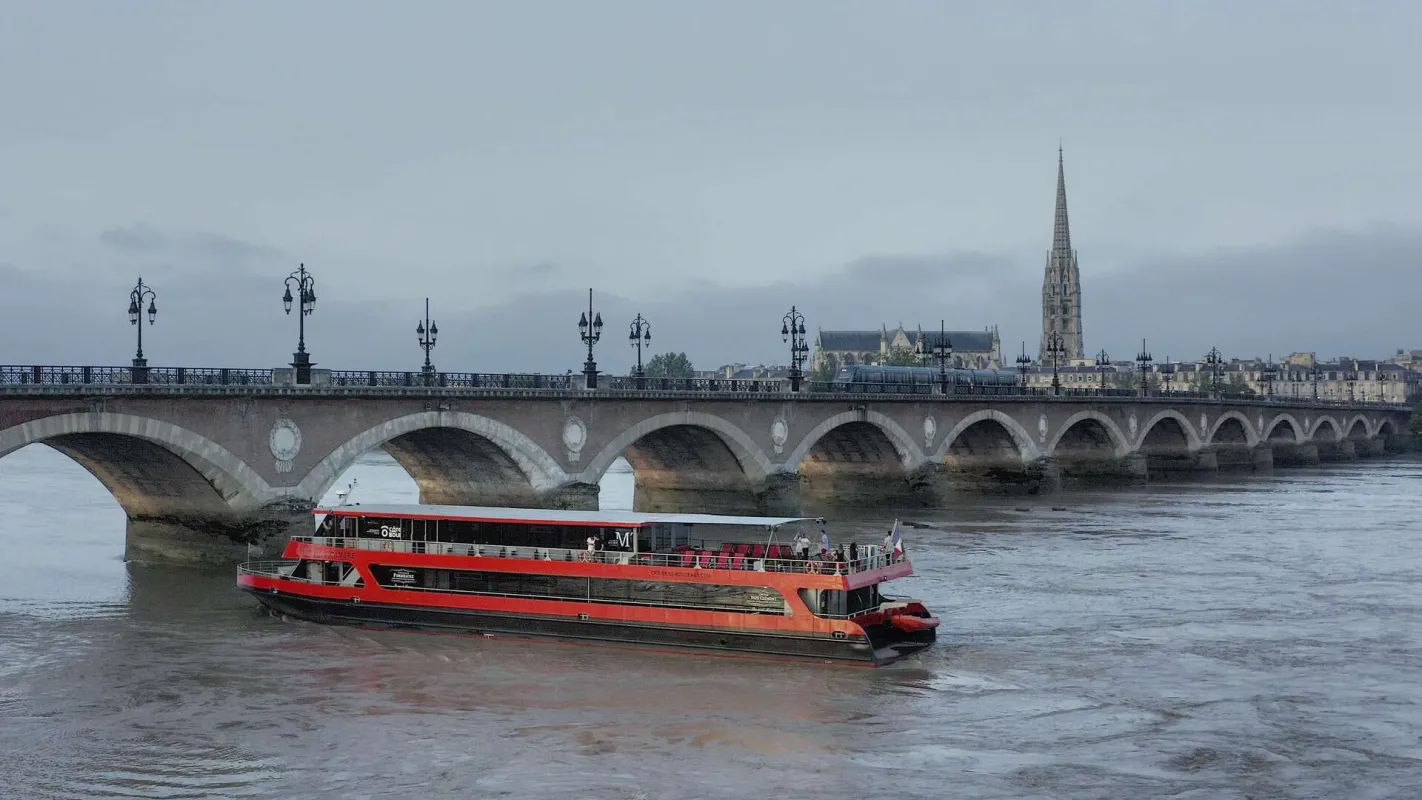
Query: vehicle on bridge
<point x="617" y="576"/>
<point x="923" y="380"/>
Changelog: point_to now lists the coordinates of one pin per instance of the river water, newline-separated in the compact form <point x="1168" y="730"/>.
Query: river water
<point x="1239" y="638"/>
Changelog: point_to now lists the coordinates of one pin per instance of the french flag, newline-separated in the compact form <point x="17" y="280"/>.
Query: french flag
<point x="898" y="539"/>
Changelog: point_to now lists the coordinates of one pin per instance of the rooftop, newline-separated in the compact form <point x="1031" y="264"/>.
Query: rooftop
<point x="546" y="516"/>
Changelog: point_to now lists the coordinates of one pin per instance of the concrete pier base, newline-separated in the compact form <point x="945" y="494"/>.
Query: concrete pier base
<point x="1244" y="458"/>
<point x="957" y="476"/>
<point x="1294" y="455"/>
<point x="1336" y="451"/>
<point x="214" y="540"/>
<point x="1181" y="462"/>
<point x="1397" y="444"/>
<point x="1370" y="447"/>
<point x="779" y="495"/>
<point x="845" y="487"/>
<point x="1079" y="471"/>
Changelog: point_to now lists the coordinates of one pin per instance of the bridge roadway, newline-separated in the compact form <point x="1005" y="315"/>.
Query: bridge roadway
<point x="203" y="469"/>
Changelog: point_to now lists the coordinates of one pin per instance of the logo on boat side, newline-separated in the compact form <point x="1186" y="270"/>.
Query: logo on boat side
<point x="402" y="576"/>
<point x="285" y="442"/>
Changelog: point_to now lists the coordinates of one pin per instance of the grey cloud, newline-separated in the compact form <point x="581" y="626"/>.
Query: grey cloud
<point x="136" y="238"/>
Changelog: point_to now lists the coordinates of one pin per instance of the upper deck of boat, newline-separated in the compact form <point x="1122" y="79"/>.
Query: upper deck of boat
<point x="552" y="516"/>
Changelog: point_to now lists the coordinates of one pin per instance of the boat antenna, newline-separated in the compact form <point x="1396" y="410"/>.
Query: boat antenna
<point x="343" y="496"/>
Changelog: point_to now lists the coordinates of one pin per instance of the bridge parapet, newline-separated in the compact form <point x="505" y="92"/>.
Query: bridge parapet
<point x="209" y="381"/>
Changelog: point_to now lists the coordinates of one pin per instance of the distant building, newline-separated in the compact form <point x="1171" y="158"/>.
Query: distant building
<point x="976" y="349"/>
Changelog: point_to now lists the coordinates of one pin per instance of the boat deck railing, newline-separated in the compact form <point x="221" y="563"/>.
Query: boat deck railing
<point x="870" y="556"/>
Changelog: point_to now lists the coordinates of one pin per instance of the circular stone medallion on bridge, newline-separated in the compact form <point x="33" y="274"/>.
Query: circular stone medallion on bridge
<point x="575" y="435"/>
<point x="1259" y="424"/>
<point x="285" y="442"/>
<point x="1307" y="422"/>
<point x="1132" y="421"/>
<point x="1042" y="429"/>
<point x="779" y="434"/>
<point x="930" y="430"/>
<point x="1204" y="425"/>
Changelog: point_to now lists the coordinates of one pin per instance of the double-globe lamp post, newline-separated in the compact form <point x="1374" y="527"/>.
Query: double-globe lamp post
<point x="1215" y="360"/>
<point x="590" y="330"/>
<point x="1103" y="363"/>
<point x="943" y="353"/>
<point x="427" y="330"/>
<point x="1056" y="348"/>
<point x="792" y="330"/>
<point x="1143" y="362"/>
<point x="136" y="297"/>
<point x="640" y="333"/>
<point x="306" y="291"/>
<point x="1024" y="367"/>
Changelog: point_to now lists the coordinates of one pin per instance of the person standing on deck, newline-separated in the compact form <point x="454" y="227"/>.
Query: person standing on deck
<point x="824" y="541"/>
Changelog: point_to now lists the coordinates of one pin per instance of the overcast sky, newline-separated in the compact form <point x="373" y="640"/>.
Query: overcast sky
<point x="1241" y="175"/>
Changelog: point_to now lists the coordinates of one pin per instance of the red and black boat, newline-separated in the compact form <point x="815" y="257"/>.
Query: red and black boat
<point x="687" y="580"/>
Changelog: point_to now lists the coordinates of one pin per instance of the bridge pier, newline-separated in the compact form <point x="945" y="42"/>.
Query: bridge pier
<point x="1244" y="458"/>
<point x="1291" y="454"/>
<point x="1399" y="443"/>
<point x="1078" y="471"/>
<point x="779" y="495"/>
<point x="214" y="540"/>
<point x="1180" y="461"/>
<point x="959" y="475"/>
<point x="1370" y="447"/>
<point x="1341" y="450"/>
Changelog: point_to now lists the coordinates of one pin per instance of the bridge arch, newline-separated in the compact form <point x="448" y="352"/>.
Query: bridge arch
<point x="1325" y="429"/>
<point x="909" y="454"/>
<point x="1359" y="428"/>
<point x="856" y="457"/>
<point x="1087" y="428"/>
<point x="751" y="460"/>
<point x="151" y="467"/>
<point x="992" y="421"/>
<point x="1158" y="430"/>
<point x="1221" y="427"/>
<point x="454" y="456"/>
<point x="1280" y="423"/>
<point x="1385" y="428"/>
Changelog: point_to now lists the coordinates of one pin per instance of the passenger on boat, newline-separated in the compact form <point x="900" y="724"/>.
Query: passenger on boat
<point x="824" y="541"/>
<point x="802" y="546"/>
<point x="854" y="553"/>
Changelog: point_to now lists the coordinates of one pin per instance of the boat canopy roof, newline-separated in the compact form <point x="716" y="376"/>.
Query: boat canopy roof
<point x="549" y="516"/>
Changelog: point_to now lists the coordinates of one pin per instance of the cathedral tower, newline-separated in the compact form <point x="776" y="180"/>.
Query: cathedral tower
<point x="1061" y="287"/>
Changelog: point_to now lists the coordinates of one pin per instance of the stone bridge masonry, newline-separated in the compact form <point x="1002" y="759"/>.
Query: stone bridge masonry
<point x="202" y="475"/>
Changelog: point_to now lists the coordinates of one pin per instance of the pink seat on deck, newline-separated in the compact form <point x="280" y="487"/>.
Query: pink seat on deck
<point x="723" y="561"/>
<point x="688" y="558"/>
<point x="757" y="551"/>
<point x="737" y="561"/>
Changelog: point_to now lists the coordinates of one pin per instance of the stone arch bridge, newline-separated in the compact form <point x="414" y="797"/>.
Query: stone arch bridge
<point x="201" y="474"/>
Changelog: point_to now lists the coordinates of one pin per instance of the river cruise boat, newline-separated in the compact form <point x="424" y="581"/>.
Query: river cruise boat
<point x="699" y="581"/>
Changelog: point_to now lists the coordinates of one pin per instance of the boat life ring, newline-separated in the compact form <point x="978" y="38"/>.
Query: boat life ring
<point x="812" y="567"/>
<point x="388" y="547"/>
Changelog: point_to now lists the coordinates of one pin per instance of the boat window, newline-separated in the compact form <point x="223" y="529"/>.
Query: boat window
<point x="749" y="599"/>
<point x="839" y="603"/>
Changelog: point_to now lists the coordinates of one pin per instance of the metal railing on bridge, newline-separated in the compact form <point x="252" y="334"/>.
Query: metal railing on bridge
<point x="173" y="377"/>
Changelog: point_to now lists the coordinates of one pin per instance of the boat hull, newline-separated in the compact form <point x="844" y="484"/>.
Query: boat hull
<point x="880" y="645"/>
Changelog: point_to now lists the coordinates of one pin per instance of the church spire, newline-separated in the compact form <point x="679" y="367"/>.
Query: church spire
<point x="1061" y="230"/>
<point x="1061" y="284"/>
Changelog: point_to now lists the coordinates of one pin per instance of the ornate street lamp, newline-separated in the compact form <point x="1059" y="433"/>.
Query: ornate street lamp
<point x="1103" y="363"/>
<point x="1056" y="348"/>
<point x="1143" y="361"/>
<point x="640" y="333"/>
<point x="792" y="330"/>
<point x="1314" y="374"/>
<point x="1351" y="376"/>
<point x="1024" y="366"/>
<point x="1167" y="373"/>
<point x="942" y="353"/>
<point x="135" y="317"/>
<point x="1267" y="373"/>
<point x="590" y="330"/>
<point x="306" y="291"/>
<point x="1215" y="360"/>
<point x="427" y="330"/>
